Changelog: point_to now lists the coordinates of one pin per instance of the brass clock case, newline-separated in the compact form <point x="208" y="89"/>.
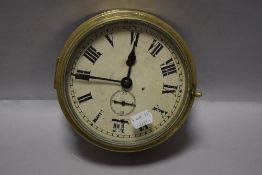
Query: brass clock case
<point x="95" y="23"/>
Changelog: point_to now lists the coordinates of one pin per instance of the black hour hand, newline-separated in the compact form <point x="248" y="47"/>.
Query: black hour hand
<point x="131" y="61"/>
<point x="131" y="57"/>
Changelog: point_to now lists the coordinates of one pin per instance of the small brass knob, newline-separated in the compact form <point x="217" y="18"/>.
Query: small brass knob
<point x="197" y="93"/>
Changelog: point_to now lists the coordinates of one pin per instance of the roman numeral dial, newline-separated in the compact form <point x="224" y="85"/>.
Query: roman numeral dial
<point x="84" y="98"/>
<point x="167" y="89"/>
<point x="134" y="38"/>
<point x="98" y="115"/>
<point x="160" y="110"/>
<point x="119" y="125"/>
<point x="168" y="67"/>
<point x="92" y="54"/>
<point x="111" y="57"/>
<point x="155" y="48"/>
<point x="82" y="75"/>
<point x="110" y="39"/>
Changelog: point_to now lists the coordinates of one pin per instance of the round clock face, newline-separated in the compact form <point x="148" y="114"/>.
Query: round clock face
<point x="126" y="85"/>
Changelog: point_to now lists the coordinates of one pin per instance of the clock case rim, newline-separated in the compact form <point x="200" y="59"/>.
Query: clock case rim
<point x="97" y="21"/>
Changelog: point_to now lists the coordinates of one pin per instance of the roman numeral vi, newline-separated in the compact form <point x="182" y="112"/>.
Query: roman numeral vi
<point x="119" y="125"/>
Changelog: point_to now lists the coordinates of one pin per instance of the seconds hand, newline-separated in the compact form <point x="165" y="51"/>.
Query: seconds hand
<point x="123" y="103"/>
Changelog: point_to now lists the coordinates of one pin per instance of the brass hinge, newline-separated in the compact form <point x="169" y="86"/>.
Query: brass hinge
<point x="56" y="66"/>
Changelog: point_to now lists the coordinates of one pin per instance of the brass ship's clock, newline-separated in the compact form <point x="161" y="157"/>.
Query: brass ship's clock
<point x="125" y="80"/>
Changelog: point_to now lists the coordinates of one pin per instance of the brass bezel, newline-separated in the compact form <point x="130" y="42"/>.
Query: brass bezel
<point x="93" y="23"/>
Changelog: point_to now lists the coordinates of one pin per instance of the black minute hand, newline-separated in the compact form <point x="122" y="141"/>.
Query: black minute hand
<point x="105" y="79"/>
<point x="82" y="76"/>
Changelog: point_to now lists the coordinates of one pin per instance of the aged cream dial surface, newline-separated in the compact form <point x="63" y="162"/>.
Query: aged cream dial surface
<point x="119" y="69"/>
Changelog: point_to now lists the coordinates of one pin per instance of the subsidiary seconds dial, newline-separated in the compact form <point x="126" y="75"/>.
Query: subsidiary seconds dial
<point x="123" y="102"/>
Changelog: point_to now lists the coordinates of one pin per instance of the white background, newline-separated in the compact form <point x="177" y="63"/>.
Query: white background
<point x="222" y="135"/>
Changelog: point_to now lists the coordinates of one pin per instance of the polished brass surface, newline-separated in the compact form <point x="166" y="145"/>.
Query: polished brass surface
<point x="197" y="94"/>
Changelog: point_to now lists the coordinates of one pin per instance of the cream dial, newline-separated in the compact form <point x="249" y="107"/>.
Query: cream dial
<point x="103" y="101"/>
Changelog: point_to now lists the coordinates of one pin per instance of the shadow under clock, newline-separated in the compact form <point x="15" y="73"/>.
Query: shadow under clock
<point x="177" y="144"/>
